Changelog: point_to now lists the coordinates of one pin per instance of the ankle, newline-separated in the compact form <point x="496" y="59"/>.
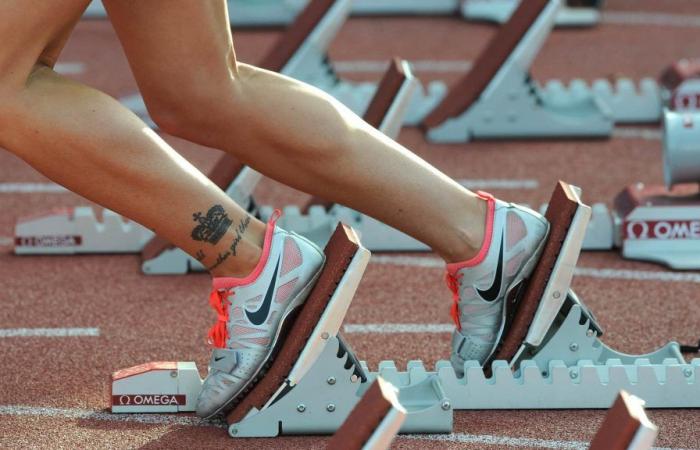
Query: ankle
<point x="243" y="253"/>
<point x="469" y="238"/>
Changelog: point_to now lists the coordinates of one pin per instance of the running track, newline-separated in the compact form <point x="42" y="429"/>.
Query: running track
<point x="67" y="322"/>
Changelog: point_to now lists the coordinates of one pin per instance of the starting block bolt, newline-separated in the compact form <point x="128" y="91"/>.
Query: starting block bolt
<point x="688" y="373"/>
<point x="173" y="374"/>
<point x="573" y="347"/>
<point x="301" y="407"/>
<point x="446" y="405"/>
<point x="324" y="335"/>
<point x="330" y="407"/>
<point x="573" y="374"/>
<point x="354" y="378"/>
<point x="556" y="294"/>
<point x="233" y="431"/>
<point x="331" y="380"/>
<point x="589" y="333"/>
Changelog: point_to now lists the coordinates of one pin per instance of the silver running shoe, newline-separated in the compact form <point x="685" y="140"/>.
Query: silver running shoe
<point x="251" y="313"/>
<point x="514" y="239"/>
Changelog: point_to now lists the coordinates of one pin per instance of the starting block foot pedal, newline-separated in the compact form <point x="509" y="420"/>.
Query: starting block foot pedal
<point x="626" y="426"/>
<point x="374" y="422"/>
<point x="315" y="380"/>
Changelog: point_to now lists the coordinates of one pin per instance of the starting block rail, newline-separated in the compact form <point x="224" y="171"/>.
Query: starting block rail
<point x="499" y="99"/>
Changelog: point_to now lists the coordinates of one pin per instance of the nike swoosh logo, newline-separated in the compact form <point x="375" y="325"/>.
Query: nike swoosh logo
<point x="491" y="294"/>
<point x="260" y="316"/>
<point x="219" y="358"/>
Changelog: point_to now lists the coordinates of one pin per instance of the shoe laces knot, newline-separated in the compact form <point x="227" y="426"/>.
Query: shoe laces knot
<point x="218" y="333"/>
<point x="452" y="281"/>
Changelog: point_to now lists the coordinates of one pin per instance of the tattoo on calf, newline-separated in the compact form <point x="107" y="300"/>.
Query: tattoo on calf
<point x="212" y="227"/>
<point x="200" y="255"/>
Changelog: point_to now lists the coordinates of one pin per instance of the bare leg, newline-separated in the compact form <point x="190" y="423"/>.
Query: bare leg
<point x="89" y="143"/>
<point x="183" y="58"/>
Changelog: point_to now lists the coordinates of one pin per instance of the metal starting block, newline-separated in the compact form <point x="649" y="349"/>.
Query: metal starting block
<point x="572" y="14"/>
<point x="301" y="53"/>
<point x="626" y="426"/>
<point x="658" y="223"/>
<point x="498" y="98"/>
<point x="315" y="381"/>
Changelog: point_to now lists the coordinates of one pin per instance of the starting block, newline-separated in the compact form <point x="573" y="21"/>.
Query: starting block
<point x="572" y="14"/>
<point x="301" y="53"/>
<point x="626" y="426"/>
<point x="315" y="380"/>
<point x="658" y="223"/>
<point x="680" y="85"/>
<point x="550" y="358"/>
<point x="499" y="99"/>
<point x="318" y="218"/>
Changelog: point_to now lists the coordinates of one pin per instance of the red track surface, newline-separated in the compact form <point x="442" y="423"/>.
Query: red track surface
<point x="165" y="318"/>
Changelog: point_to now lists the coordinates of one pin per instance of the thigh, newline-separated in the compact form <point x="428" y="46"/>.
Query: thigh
<point x="34" y="31"/>
<point x="174" y="45"/>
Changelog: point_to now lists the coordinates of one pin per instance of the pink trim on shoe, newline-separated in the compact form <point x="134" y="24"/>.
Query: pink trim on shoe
<point x="230" y="282"/>
<point x="488" y="236"/>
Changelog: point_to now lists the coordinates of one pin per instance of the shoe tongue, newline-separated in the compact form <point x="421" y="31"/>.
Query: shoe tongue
<point x="224" y="360"/>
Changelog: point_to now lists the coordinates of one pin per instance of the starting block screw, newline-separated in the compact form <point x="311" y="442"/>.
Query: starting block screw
<point x="446" y="405"/>
<point x="589" y="333"/>
<point x="173" y="374"/>
<point x="556" y="294"/>
<point x="331" y="380"/>
<point x="573" y="347"/>
<point x="301" y="407"/>
<point x="233" y="431"/>
<point x="688" y="373"/>
<point x="324" y="335"/>
<point x="330" y="407"/>
<point x="573" y="374"/>
<point x="354" y="378"/>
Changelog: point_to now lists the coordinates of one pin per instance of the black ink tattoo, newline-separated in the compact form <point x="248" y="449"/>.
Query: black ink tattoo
<point x="200" y="256"/>
<point x="220" y="260"/>
<point x="213" y="226"/>
<point x="240" y="229"/>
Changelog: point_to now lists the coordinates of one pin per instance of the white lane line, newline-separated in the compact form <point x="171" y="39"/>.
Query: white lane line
<point x="31" y="188"/>
<point x="638" y="133"/>
<point x="486" y="439"/>
<point x="70" y="68"/>
<point x="650" y="18"/>
<point x="49" y="332"/>
<point x="590" y="272"/>
<point x="640" y="275"/>
<point x="393" y="328"/>
<point x="499" y="184"/>
<point x="75" y="413"/>
<point x="171" y="419"/>
<point x="422" y="65"/>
